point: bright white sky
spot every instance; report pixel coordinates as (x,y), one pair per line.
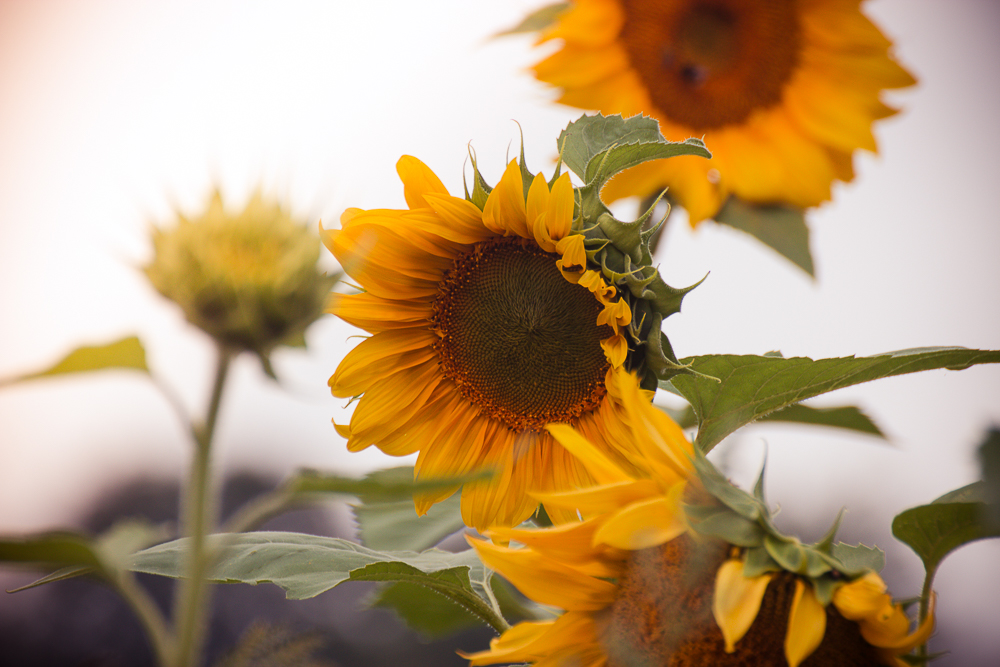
(114,112)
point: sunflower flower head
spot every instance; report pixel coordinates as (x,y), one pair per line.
(676,566)
(496,314)
(783,92)
(249,280)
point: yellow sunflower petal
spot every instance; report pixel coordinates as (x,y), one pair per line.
(531,641)
(736,601)
(602,499)
(418,180)
(559,218)
(378,356)
(861,598)
(890,629)
(644,524)
(568,543)
(806,624)
(504,210)
(546,580)
(372,313)
(603,469)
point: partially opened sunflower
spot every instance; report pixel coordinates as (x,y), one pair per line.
(677,568)
(489,322)
(781,91)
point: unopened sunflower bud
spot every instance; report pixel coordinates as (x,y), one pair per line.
(248,279)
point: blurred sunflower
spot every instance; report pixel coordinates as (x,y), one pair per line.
(781,91)
(486,326)
(670,570)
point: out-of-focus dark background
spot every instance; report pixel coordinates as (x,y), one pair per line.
(113,114)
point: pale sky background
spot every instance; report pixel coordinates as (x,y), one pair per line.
(113,113)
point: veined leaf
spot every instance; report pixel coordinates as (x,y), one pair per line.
(597,147)
(749,387)
(782,228)
(127,353)
(380,485)
(396,526)
(307,565)
(933,531)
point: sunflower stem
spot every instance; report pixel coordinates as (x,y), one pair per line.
(198,512)
(925,597)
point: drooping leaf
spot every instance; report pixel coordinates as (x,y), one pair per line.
(395,526)
(391,489)
(953,520)
(782,228)
(127,353)
(846,417)
(537,20)
(597,147)
(380,485)
(307,565)
(749,387)
(76,554)
(424,610)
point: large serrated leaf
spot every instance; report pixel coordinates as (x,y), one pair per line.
(749,387)
(597,147)
(782,228)
(307,565)
(395,526)
(127,353)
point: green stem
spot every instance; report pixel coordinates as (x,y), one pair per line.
(149,615)
(925,600)
(198,513)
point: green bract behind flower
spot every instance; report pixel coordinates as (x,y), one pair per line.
(249,280)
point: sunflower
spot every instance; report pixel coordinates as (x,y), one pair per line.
(647,580)
(488,322)
(781,91)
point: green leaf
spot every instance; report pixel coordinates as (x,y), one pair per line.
(846,417)
(538,19)
(126,353)
(307,565)
(782,228)
(79,554)
(933,531)
(395,525)
(749,387)
(597,147)
(427,612)
(381,485)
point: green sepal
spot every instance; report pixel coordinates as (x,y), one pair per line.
(480,190)
(731,496)
(824,587)
(758,562)
(540,19)
(723,523)
(857,559)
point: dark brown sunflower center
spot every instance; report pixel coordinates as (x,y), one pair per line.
(711,63)
(663,617)
(518,339)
